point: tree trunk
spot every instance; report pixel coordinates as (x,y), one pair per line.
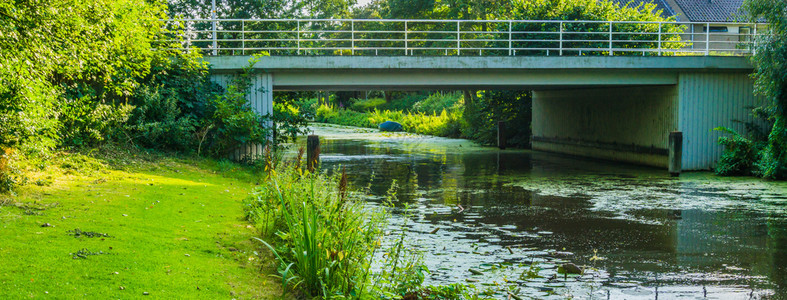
(469,97)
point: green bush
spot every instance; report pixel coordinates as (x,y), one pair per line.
(513,107)
(330,114)
(773,159)
(74,59)
(740,154)
(367,105)
(307,106)
(158,123)
(437,102)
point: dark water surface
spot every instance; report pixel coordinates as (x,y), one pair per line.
(639,233)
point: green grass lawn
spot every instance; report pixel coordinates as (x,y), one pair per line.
(175,226)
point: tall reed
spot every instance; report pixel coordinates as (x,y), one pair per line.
(322,235)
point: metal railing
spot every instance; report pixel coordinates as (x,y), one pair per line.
(461,37)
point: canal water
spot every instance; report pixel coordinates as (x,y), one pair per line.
(515,216)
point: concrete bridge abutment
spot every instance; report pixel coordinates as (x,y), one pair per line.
(632,123)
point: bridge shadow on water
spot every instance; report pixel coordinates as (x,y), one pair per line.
(638,232)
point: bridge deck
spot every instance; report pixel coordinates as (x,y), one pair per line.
(414,72)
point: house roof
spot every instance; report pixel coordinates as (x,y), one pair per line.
(666,10)
(711,10)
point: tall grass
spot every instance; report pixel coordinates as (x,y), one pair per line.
(324,238)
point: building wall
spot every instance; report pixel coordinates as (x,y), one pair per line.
(260,99)
(707,101)
(628,124)
(737,39)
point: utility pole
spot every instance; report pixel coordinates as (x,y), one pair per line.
(213,20)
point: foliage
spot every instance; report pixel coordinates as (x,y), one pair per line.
(97,48)
(740,154)
(367,105)
(233,122)
(773,160)
(771,81)
(10,176)
(529,35)
(333,115)
(288,119)
(438,102)
(325,237)
(173,104)
(513,107)
(445,123)
(307,106)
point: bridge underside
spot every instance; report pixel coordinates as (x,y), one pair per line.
(614,108)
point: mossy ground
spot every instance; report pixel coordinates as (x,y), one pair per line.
(176,230)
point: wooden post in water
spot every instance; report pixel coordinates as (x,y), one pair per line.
(675,152)
(501,134)
(312,152)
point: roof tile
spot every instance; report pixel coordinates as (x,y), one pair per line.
(711,10)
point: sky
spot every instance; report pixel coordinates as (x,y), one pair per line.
(362,2)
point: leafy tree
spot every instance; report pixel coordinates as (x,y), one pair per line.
(87,51)
(771,81)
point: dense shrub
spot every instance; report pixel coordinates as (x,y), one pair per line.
(333,115)
(740,154)
(76,59)
(773,159)
(367,105)
(437,102)
(513,107)
(771,81)
(442,124)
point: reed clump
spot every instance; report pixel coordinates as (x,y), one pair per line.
(323,237)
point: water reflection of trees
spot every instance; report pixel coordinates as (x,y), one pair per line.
(647,240)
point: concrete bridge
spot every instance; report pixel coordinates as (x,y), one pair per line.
(602,89)
(619,108)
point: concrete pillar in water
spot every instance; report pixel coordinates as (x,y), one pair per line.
(312,152)
(501,134)
(675,152)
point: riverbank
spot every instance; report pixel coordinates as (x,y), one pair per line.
(130,225)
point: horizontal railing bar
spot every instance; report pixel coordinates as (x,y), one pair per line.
(460,21)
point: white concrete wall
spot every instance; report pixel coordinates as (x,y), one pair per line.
(628,124)
(260,99)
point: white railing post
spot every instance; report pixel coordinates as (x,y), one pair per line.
(754,41)
(510,23)
(405,38)
(659,49)
(299,36)
(352,30)
(188,37)
(611,52)
(707,39)
(561,39)
(213,16)
(458,38)
(243,37)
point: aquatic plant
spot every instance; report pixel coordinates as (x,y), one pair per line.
(324,241)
